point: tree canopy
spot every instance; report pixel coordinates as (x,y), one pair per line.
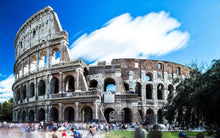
(197,100)
(6,110)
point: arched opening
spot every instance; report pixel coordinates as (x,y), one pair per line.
(149,91)
(138,89)
(149,76)
(93,85)
(170,89)
(41,114)
(109,85)
(18,94)
(43,59)
(160,116)
(25,67)
(41,87)
(69,115)
(54,114)
(86,114)
(55,56)
(19,116)
(32,89)
(33,63)
(126,86)
(160,89)
(150,116)
(24,92)
(54,85)
(23,116)
(86,72)
(20,71)
(70,83)
(31,116)
(110,115)
(126,115)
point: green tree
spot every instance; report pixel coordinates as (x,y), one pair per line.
(6,110)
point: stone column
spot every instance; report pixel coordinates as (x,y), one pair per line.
(61,84)
(37,61)
(46,111)
(155,117)
(26,117)
(47,87)
(35,88)
(77,89)
(48,57)
(61,118)
(97,104)
(77,112)
(22,74)
(27,91)
(131,85)
(35,114)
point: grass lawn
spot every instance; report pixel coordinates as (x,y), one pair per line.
(130,134)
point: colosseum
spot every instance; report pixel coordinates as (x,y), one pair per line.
(50,86)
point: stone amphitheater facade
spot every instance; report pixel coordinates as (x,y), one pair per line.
(50,86)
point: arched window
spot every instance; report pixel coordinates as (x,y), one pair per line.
(127,115)
(138,89)
(31,116)
(26,67)
(149,76)
(110,115)
(109,85)
(86,114)
(160,116)
(54,85)
(55,56)
(149,91)
(32,89)
(150,116)
(54,114)
(43,59)
(70,83)
(41,114)
(160,89)
(33,63)
(41,88)
(24,92)
(170,89)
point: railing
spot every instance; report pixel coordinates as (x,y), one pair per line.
(75,94)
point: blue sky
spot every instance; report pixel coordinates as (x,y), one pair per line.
(197,24)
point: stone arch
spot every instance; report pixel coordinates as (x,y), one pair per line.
(150,116)
(41,87)
(41,114)
(54,85)
(69,114)
(160,90)
(24,91)
(70,83)
(18,94)
(160,116)
(23,116)
(31,116)
(138,88)
(33,63)
(126,86)
(109,85)
(126,115)
(109,115)
(54,114)
(43,59)
(149,76)
(25,69)
(149,91)
(55,56)
(170,89)
(32,89)
(93,85)
(87,114)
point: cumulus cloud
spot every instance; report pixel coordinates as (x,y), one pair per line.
(127,37)
(5,88)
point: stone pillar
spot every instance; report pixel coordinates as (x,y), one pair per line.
(155,117)
(61,118)
(27,91)
(29,65)
(47,87)
(118,83)
(154,92)
(22,74)
(97,104)
(46,112)
(35,88)
(48,57)
(131,76)
(78,87)
(26,116)
(77,112)
(61,84)
(37,61)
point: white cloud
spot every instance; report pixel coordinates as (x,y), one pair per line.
(5,88)
(127,37)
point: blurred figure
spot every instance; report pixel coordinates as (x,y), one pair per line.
(182,135)
(155,133)
(140,133)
